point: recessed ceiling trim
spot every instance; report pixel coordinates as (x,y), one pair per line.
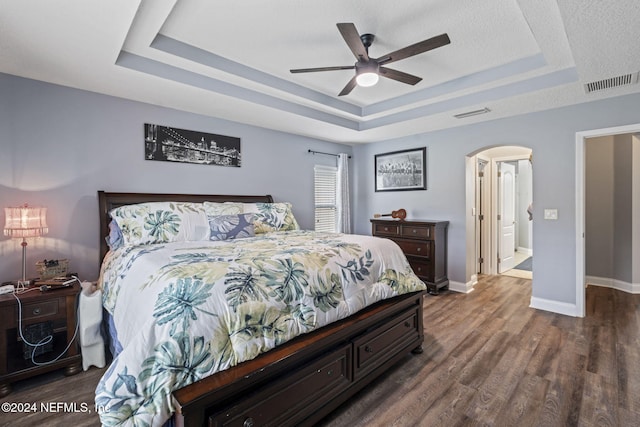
(169,72)
(186,51)
(208,59)
(556,78)
(159,69)
(519,66)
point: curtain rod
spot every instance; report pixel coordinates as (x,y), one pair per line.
(327,154)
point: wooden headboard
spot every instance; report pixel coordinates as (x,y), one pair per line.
(108,201)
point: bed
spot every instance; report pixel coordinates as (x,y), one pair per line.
(250,322)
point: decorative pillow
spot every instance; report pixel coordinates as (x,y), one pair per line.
(272,217)
(227,208)
(161,222)
(114,239)
(225,227)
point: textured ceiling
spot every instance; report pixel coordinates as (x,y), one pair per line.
(232,59)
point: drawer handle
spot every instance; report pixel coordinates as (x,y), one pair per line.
(330,372)
(407,324)
(415,231)
(419,268)
(386,229)
(368,349)
(248,422)
(418,249)
(36,311)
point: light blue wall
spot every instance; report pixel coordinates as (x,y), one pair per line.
(551,135)
(59,146)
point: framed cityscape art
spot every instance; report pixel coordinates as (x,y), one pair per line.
(187,146)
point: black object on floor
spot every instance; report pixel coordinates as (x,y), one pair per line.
(524,265)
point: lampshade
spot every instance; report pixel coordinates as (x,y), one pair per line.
(25,221)
(367,73)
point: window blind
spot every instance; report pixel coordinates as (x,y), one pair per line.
(325,178)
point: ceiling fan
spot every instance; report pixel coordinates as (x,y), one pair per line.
(369,69)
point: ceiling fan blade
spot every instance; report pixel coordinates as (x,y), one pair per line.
(351,36)
(400,76)
(415,49)
(349,87)
(312,70)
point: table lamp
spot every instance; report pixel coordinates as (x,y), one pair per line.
(23,222)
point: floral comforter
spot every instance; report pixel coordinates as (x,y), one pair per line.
(185,310)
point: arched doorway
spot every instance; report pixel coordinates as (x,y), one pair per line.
(500,197)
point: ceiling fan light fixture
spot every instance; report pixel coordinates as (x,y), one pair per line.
(367,79)
(368,69)
(367,73)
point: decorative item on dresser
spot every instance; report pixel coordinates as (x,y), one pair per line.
(399,214)
(424,243)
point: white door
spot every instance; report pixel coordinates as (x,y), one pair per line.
(507,222)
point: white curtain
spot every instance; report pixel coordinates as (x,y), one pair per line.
(344,207)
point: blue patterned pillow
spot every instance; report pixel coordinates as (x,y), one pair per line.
(225,227)
(114,239)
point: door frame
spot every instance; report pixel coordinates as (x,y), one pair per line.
(494,206)
(581,136)
(482,207)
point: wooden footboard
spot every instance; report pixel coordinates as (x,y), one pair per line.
(305,379)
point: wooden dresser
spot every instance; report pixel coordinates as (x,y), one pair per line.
(425,245)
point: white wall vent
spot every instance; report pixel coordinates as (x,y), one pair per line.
(472,113)
(624,80)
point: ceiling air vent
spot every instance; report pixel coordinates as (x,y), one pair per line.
(624,80)
(472,113)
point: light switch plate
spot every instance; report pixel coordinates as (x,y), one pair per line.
(551,214)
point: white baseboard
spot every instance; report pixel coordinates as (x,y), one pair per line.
(464,288)
(526,251)
(554,306)
(607,282)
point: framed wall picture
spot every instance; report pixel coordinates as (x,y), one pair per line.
(401,170)
(170,144)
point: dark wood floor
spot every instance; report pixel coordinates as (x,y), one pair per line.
(489,360)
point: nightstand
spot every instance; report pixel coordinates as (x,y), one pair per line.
(52,311)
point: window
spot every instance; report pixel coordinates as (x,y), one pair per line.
(325,178)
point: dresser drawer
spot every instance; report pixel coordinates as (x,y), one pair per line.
(422,268)
(415,247)
(374,348)
(36,311)
(419,232)
(386,229)
(302,391)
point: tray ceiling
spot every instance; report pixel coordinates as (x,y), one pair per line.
(231,59)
